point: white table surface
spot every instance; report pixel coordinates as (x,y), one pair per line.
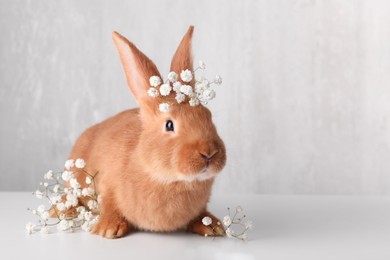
(285,227)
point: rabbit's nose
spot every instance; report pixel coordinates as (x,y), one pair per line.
(208,156)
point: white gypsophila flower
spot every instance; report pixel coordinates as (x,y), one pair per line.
(88,215)
(207,221)
(87,192)
(45,184)
(193,102)
(44,230)
(80,216)
(200,87)
(80,209)
(154,81)
(176,86)
(38,194)
(86,226)
(165,89)
(66,190)
(55,199)
(208,94)
(239,209)
(227,221)
(202,65)
(172,76)
(67,175)
(92,204)
(62,216)
(80,163)
(164,107)
(186,89)
(48,175)
(71,200)
(30,228)
(248,224)
(229,232)
(153,92)
(88,180)
(56,188)
(34,212)
(186,75)
(69,164)
(45,215)
(180,97)
(243,236)
(63,225)
(74,183)
(218,80)
(77,192)
(41,208)
(61,206)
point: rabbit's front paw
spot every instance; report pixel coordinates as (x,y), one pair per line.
(111,227)
(215,229)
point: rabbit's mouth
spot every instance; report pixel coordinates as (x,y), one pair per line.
(203,175)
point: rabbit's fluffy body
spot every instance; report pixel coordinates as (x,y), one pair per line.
(150,178)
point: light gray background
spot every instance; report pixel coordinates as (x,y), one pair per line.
(304,108)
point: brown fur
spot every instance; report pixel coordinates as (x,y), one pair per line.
(149,178)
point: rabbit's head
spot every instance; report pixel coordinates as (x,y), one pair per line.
(182,144)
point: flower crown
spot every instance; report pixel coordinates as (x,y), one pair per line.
(202,94)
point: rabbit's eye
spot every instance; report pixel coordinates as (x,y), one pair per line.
(169,126)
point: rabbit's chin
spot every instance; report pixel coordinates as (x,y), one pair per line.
(204,175)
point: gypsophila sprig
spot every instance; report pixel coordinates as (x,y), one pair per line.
(200,93)
(62,192)
(236,226)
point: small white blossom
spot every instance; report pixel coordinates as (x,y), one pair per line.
(56,188)
(186,89)
(249,224)
(92,204)
(69,164)
(200,87)
(227,221)
(165,89)
(243,236)
(186,75)
(30,228)
(218,80)
(239,209)
(45,215)
(61,206)
(38,194)
(55,199)
(207,221)
(34,212)
(180,97)
(45,184)
(71,200)
(44,230)
(41,208)
(88,180)
(172,76)
(164,107)
(80,209)
(208,94)
(80,163)
(87,192)
(176,87)
(74,183)
(194,102)
(155,81)
(49,175)
(63,225)
(229,232)
(88,215)
(67,175)
(153,92)
(202,65)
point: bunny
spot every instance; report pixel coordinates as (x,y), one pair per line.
(156,169)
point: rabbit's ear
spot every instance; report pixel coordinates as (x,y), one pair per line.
(138,69)
(182,59)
